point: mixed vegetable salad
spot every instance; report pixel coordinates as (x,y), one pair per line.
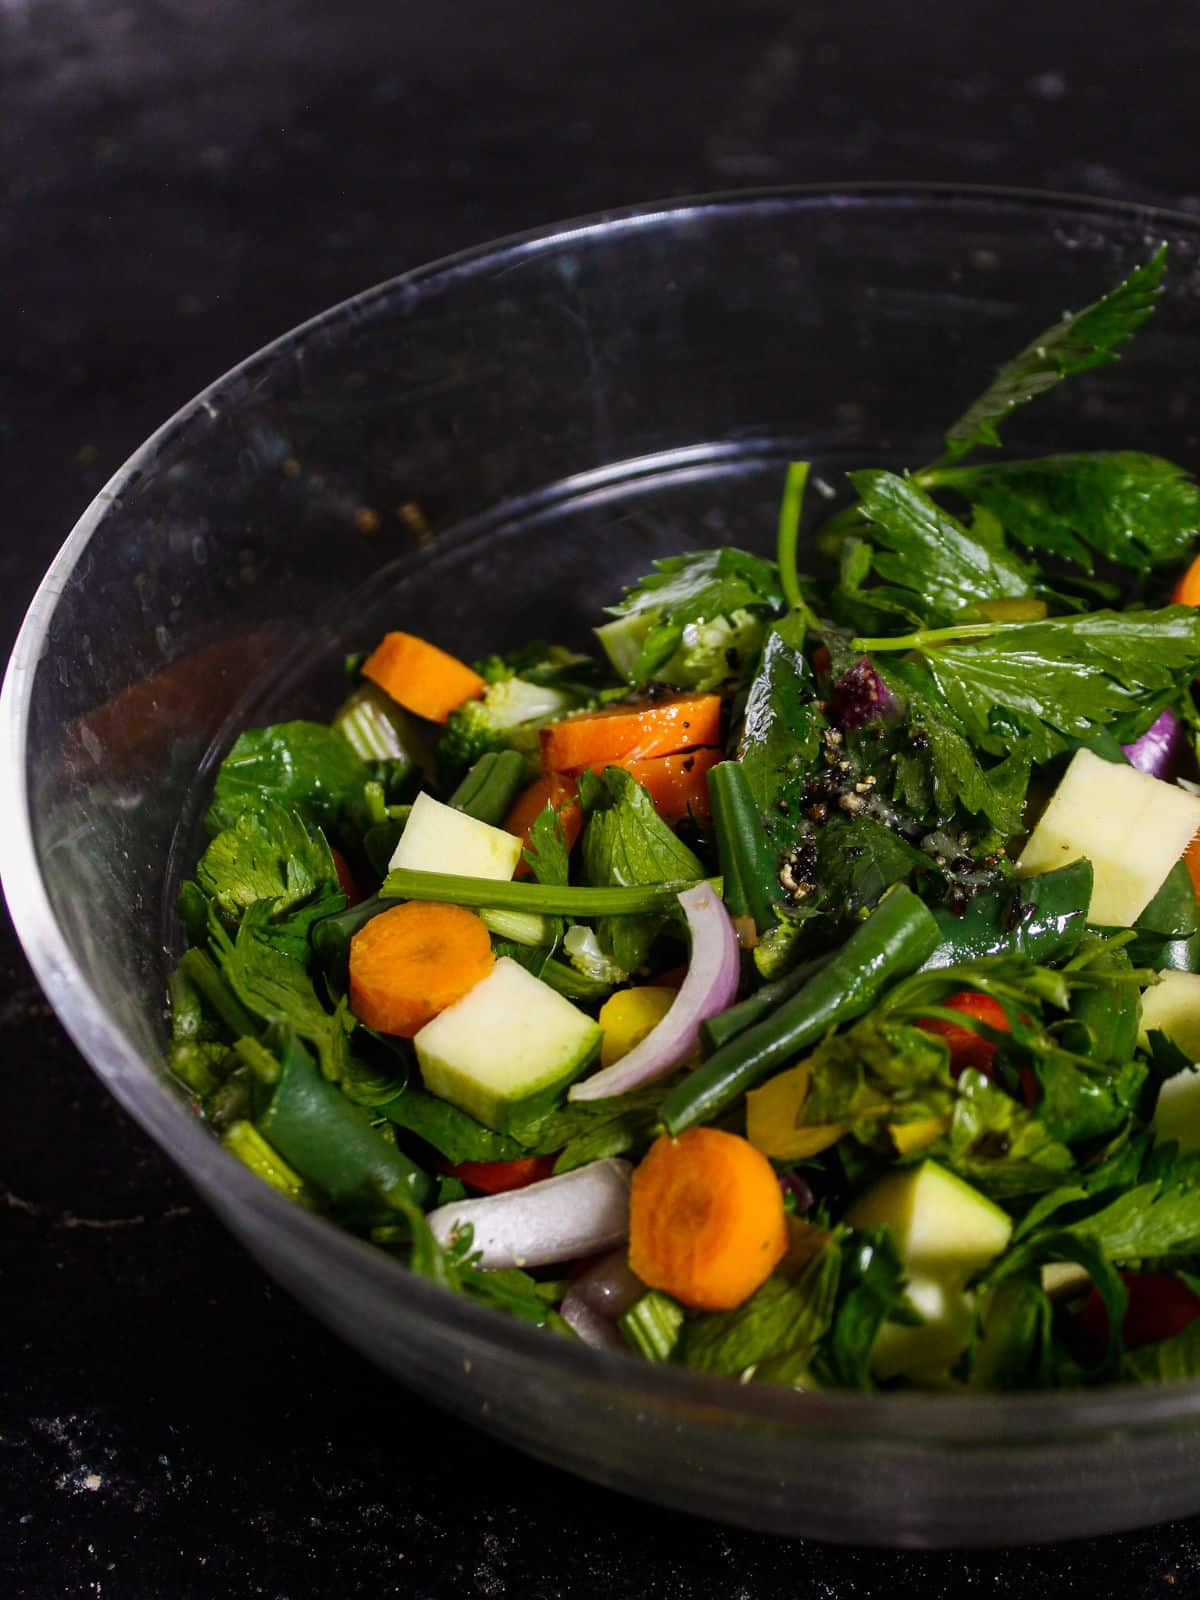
(805,985)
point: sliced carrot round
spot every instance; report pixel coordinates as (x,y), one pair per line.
(420,677)
(412,961)
(706,1219)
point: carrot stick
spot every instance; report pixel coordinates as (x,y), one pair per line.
(551,789)
(631,733)
(706,1219)
(420,677)
(676,784)
(1187,590)
(411,962)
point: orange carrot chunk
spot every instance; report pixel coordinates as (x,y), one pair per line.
(414,960)
(619,734)
(706,1219)
(676,784)
(1187,590)
(1191,857)
(551,789)
(420,677)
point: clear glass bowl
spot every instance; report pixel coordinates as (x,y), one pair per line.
(484,450)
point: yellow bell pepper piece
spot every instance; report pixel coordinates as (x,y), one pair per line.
(771,1114)
(908,1137)
(628,1016)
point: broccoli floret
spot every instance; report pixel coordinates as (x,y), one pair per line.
(711,652)
(506,718)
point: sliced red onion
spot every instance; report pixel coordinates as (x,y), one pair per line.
(577,1214)
(710,986)
(1155,751)
(609,1286)
(860,696)
(590,1326)
(598,1297)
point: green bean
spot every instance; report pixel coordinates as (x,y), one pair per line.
(748,863)
(489,789)
(331,1142)
(720,1029)
(894,940)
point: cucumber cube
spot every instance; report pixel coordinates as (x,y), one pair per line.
(438,838)
(507,1049)
(926,1352)
(1172,1007)
(1131,827)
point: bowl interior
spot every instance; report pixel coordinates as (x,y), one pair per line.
(483,452)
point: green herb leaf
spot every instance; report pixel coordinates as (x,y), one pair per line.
(780,1319)
(870,1291)
(302,766)
(452,1133)
(275,987)
(580,1131)
(268,854)
(876,1073)
(1137,510)
(998,1146)
(625,844)
(1087,339)
(780,742)
(858,858)
(1070,680)
(934,564)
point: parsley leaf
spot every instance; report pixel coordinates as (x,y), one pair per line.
(626,843)
(451,1132)
(275,987)
(268,854)
(780,1319)
(780,741)
(876,1073)
(1053,684)
(1086,339)
(871,1290)
(305,766)
(1137,510)
(933,564)
(998,1146)
(700,586)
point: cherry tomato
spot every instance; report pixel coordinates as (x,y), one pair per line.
(968,1049)
(497,1177)
(1160,1306)
(345,877)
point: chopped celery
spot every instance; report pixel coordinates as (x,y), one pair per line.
(652,1325)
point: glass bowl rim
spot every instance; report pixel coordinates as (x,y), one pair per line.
(963,1421)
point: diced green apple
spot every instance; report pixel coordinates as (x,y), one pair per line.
(944,1231)
(1133,829)
(1172,1007)
(1177,1114)
(437,838)
(507,1049)
(940,1224)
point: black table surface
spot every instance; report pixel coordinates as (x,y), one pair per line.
(179,182)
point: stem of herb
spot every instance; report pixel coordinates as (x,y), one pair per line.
(548,899)
(790,508)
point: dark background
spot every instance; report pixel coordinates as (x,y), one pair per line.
(179,182)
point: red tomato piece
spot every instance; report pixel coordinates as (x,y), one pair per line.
(968,1049)
(1160,1306)
(497,1177)
(345,877)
